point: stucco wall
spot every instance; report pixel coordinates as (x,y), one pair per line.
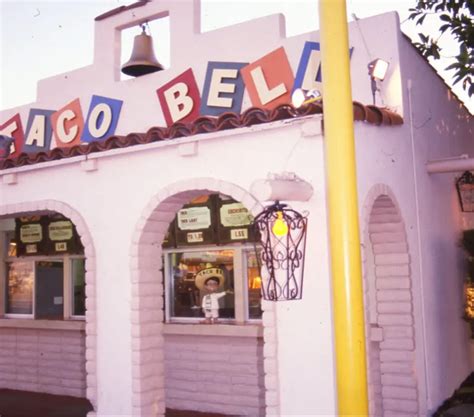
(111,198)
(439,127)
(43,360)
(215,374)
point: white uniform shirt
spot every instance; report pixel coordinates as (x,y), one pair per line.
(211,301)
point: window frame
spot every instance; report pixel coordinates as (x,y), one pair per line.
(241,282)
(68,287)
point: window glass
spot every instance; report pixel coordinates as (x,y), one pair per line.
(254,286)
(78,287)
(11,243)
(49,290)
(189,273)
(36,286)
(20,287)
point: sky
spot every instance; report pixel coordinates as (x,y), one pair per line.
(39,39)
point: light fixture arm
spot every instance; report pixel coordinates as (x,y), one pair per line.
(373,87)
(377,71)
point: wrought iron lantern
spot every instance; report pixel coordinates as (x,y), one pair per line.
(377,70)
(283,239)
(465,187)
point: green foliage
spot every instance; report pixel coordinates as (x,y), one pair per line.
(455,18)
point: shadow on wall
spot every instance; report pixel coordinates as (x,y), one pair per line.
(461,403)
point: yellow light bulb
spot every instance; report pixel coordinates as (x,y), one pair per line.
(280,228)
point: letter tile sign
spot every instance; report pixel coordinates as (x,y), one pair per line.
(269,80)
(308,75)
(180,98)
(68,124)
(223,88)
(102,119)
(38,131)
(14,129)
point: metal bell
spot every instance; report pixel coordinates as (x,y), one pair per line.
(142,60)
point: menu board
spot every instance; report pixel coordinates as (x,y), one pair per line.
(46,235)
(195,222)
(62,236)
(194,218)
(30,236)
(235,222)
(210,220)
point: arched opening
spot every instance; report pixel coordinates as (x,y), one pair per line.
(202,350)
(48,260)
(390,336)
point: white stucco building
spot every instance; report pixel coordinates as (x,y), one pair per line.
(130,351)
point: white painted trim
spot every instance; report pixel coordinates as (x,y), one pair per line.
(30,323)
(240,279)
(228,330)
(456,164)
(147,147)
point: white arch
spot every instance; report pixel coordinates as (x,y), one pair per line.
(147,313)
(390,331)
(66,210)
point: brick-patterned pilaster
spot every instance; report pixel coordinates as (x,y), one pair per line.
(147,288)
(89,386)
(270,358)
(391,354)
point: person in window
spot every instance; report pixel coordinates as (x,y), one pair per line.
(210,302)
(210,280)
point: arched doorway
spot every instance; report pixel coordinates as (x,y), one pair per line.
(390,331)
(148,329)
(79,377)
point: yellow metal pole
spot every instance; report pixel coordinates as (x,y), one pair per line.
(341,189)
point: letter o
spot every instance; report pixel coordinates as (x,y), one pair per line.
(99,131)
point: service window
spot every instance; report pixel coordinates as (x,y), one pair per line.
(44,268)
(37,288)
(254,283)
(236,270)
(20,279)
(49,290)
(78,276)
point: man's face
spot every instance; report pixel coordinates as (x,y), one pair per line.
(211,286)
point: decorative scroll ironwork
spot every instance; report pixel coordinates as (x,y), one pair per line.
(283,239)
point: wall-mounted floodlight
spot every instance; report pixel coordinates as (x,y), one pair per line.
(377,70)
(302,97)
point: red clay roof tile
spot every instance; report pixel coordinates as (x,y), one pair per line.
(253,116)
